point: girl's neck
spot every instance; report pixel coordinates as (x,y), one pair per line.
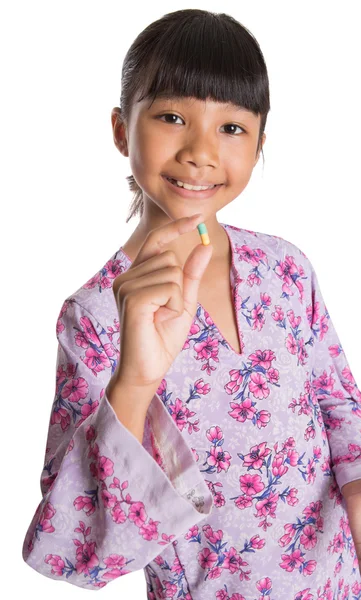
(184,244)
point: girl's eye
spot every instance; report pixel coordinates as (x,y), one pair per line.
(234,125)
(169,115)
(176,116)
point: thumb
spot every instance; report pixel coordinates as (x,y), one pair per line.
(193,271)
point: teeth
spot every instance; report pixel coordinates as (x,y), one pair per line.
(196,188)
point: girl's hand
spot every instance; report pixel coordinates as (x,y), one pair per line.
(157,301)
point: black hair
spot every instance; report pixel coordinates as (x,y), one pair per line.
(199,54)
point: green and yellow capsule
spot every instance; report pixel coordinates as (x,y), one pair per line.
(202,230)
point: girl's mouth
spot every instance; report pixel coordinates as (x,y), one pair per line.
(181,191)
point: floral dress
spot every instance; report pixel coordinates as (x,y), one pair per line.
(235,492)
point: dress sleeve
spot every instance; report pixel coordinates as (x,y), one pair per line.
(336,390)
(109,506)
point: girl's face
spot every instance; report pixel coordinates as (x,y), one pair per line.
(190,140)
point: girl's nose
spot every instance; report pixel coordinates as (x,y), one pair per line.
(200,149)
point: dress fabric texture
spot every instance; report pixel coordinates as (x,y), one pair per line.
(235,493)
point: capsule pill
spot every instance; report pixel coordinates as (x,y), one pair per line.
(202,230)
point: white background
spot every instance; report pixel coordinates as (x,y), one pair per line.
(65,197)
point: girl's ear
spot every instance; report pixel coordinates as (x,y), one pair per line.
(119,131)
(259,151)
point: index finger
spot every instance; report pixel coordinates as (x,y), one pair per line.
(161,236)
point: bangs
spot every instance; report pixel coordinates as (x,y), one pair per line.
(206,58)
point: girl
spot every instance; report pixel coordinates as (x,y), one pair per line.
(205,425)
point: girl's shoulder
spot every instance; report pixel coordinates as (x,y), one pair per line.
(96,296)
(274,246)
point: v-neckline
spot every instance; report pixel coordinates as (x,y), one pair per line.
(201,310)
(234,280)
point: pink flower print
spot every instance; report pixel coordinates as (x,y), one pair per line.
(170,589)
(339,543)
(313,510)
(85,557)
(192,532)
(291,344)
(250,256)
(243,502)
(311,471)
(251,484)
(278,466)
(286,269)
(179,413)
(96,361)
(346,373)
(207,559)
(308,537)
(242,411)
(278,313)
(214,434)
(273,375)
(267,506)
(75,389)
(292,561)
(84,503)
(294,321)
(212,536)
(195,454)
(314,313)
(288,536)
(92,282)
(264,585)
(201,387)
(257,314)
(291,497)
(109,500)
(262,358)
(45,520)
(162,387)
(150,532)
(236,381)
(266,299)
(334,350)
(253,279)
(323,327)
(105,467)
(257,543)
(60,417)
(137,513)
(292,457)
(118,515)
(256,457)
(56,562)
(219,500)
(219,457)
(323,385)
(83,338)
(215,573)
(231,560)
(263,418)
(207,349)
(258,385)
(309,567)
(61,374)
(116,564)
(176,567)
(195,328)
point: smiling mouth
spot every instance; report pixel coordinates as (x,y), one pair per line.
(195,188)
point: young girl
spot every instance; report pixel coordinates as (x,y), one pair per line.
(206,424)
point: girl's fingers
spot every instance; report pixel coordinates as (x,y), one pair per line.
(161,236)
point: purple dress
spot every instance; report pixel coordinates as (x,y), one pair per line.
(235,493)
